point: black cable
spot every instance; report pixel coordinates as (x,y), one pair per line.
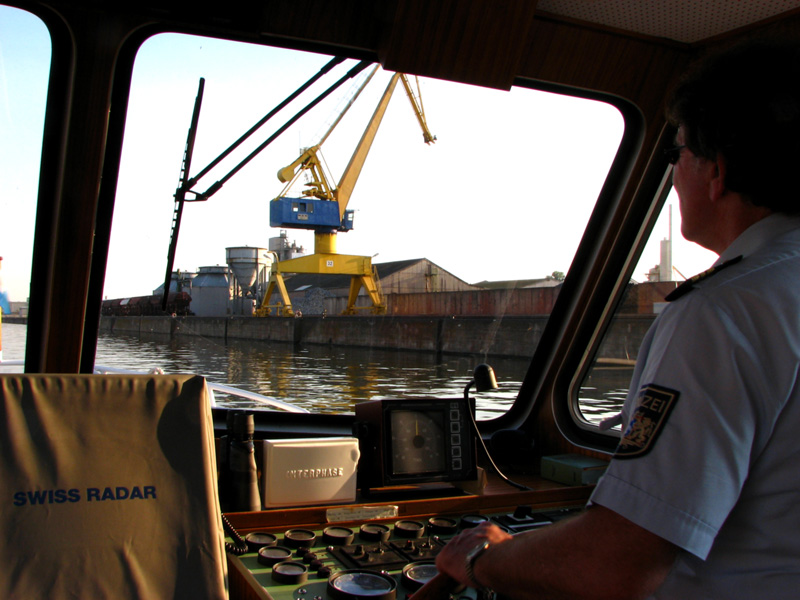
(497,470)
(239,545)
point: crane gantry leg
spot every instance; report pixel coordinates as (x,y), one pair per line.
(370,284)
(360,269)
(284,306)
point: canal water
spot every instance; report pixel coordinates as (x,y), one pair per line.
(328,379)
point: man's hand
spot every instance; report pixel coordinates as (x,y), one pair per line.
(595,555)
(452,558)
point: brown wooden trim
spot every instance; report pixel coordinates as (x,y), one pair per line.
(241,583)
(462,40)
(498,497)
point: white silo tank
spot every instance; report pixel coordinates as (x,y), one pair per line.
(246,263)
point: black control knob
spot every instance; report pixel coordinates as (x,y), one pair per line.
(522,512)
(427,544)
(316,565)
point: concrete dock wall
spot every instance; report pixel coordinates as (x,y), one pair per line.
(509,336)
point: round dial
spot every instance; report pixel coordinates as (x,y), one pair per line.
(297,538)
(270,555)
(417,574)
(418,442)
(374,532)
(442,526)
(409,529)
(362,585)
(468,521)
(338,536)
(290,572)
(259,539)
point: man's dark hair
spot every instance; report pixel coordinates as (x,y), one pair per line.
(744,104)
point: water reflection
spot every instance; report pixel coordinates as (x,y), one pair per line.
(333,379)
(604,391)
(326,379)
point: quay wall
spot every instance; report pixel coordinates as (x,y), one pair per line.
(15,319)
(508,336)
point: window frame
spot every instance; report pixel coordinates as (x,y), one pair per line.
(560,322)
(632,238)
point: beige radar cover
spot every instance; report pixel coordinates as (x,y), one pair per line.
(109,486)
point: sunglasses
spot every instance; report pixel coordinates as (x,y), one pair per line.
(674,154)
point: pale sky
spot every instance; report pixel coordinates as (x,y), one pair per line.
(505,192)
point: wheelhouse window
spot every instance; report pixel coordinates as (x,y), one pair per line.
(666,261)
(25,50)
(467,228)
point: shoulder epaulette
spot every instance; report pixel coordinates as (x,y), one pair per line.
(688,285)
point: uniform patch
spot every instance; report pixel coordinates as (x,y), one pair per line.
(649,418)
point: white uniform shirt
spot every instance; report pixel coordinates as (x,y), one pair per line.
(711,458)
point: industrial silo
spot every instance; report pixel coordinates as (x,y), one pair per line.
(180,281)
(211,292)
(250,267)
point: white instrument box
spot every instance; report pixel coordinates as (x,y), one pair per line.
(301,472)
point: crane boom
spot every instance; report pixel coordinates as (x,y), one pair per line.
(313,211)
(323,209)
(419,111)
(318,185)
(348,180)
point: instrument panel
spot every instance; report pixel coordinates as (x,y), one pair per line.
(415,440)
(376,560)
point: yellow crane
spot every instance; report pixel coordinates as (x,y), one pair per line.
(322,207)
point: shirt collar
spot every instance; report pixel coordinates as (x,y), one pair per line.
(759,234)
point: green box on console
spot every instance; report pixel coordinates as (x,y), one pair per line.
(573,469)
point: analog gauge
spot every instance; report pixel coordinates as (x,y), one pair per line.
(418,442)
(270,555)
(374,532)
(290,572)
(409,529)
(442,526)
(259,539)
(337,536)
(298,538)
(417,574)
(468,521)
(362,585)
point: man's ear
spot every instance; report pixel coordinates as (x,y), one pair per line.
(717,185)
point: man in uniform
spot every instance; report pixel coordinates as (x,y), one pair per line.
(701,497)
